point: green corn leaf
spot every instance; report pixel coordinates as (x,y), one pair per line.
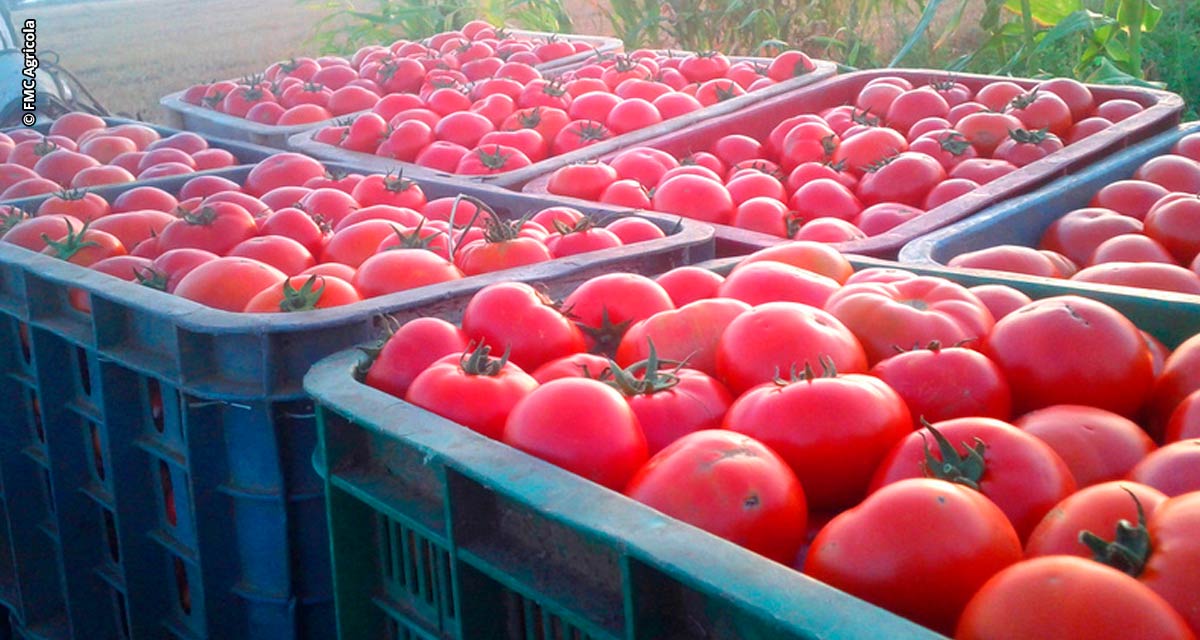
(1046,12)
(1128,13)
(1076,23)
(919,32)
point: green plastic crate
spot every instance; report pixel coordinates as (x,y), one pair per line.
(440,533)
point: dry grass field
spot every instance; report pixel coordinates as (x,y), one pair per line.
(129,53)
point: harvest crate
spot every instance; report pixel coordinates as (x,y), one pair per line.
(245,152)
(155,462)
(1161,113)
(439,532)
(304,142)
(195,118)
(1023,220)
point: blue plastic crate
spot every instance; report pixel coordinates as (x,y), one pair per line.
(245,152)
(153,401)
(439,532)
(1024,220)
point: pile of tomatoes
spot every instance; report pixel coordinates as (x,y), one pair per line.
(510,121)
(80,151)
(933,449)
(293,238)
(857,170)
(1141,232)
(305,90)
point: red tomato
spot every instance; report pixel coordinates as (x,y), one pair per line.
(943,383)
(576,365)
(1176,225)
(761,282)
(1179,378)
(228,283)
(906,179)
(402,269)
(1017,471)
(1173,469)
(633,229)
(1097,445)
(282,169)
(823,198)
(217,227)
(777,337)
(911,106)
(1185,420)
(1147,275)
(1078,233)
(669,404)
(303,293)
(1047,351)
(689,284)
(1014,259)
(1066,597)
(869,148)
(517,317)
(985,130)
(581,425)
(605,306)
(411,350)
(811,256)
(832,430)
(1097,508)
(694,197)
(689,334)
(909,313)
(586,181)
(731,486)
(1042,110)
(493,386)
(919,548)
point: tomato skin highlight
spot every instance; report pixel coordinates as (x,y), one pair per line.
(729,485)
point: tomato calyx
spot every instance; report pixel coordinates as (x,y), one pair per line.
(493,160)
(1129,549)
(555,88)
(370,352)
(644,377)
(413,239)
(70,245)
(607,336)
(477,361)
(1023,100)
(954,467)
(305,298)
(624,63)
(863,117)
(828,370)
(251,94)
(1025,136)
(728,92)
(583,224)
(954,143)
(45,147)
(943,85)
(289,66)
(591,131)
(11,217)
(312,87)
(204,216)
(397,184)
(70,194)
(216,98)
(880,163)
(532,119)
(151,277)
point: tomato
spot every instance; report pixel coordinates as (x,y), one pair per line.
(1185,420)
(517,317)
(1026,147)
(1130,248)
(605,306)
(906,179)
(493,386)
(1042,110)
(1161,551)
(303,293)
(688,284)
(1180,377)
(939,383)
(869,148)
(75,124)
(1146,275)
(985,130)
(228,283)
(831,429)
(812,256)
(773,338)
(217,227)
(576,365)
(1067,597)
(644,164)
(909,313)
(1118,109)
(1011,258)
(83,245)
(1016,470)
(695,197)
(789,64)
(1176,225)
(1094,508)
(1078,233)
(877,98)
(281,169)
(586,181)
(761,282)
(400,270)
(133,227)
(1097,445)
(1129,197)
(913,105)
(411,350)
(807,142)
(689,333)
(106,148)
(822,198)
(633,229)
(28,233)
(582,425)
(919,548)
(62,165)
(1173,469)
(731,486)
(501,250)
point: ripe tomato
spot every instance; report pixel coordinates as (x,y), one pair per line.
(493,386)
(281,169)
(919,548)
(1067,597)
(1097,445)
(1047,349)
(695,197)
(869,148)
(906,178)
(581,425)
(942,383)
(985,130)
(303,293)
(688,334)
(228,283)
(689,284)
(605,306)
(517,317)
(1179,378)
(811,256)
(1176,225)
(775,338)
(411,350)
(586,181)
(1185,420)
(400,270)
(910,312)
(1097,508)
(1173,469)
(1024,147)
(1078,233)
(767,281)
(731,486)
(669,404)
(831,429)
(1042,110)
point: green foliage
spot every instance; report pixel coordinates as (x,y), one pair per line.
(348,25)
(1170,51)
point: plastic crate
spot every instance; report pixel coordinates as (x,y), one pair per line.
(1023,220)
(304,142)
(439,532)
(195,118)
(245,152)
(154,399)
(1162,113)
